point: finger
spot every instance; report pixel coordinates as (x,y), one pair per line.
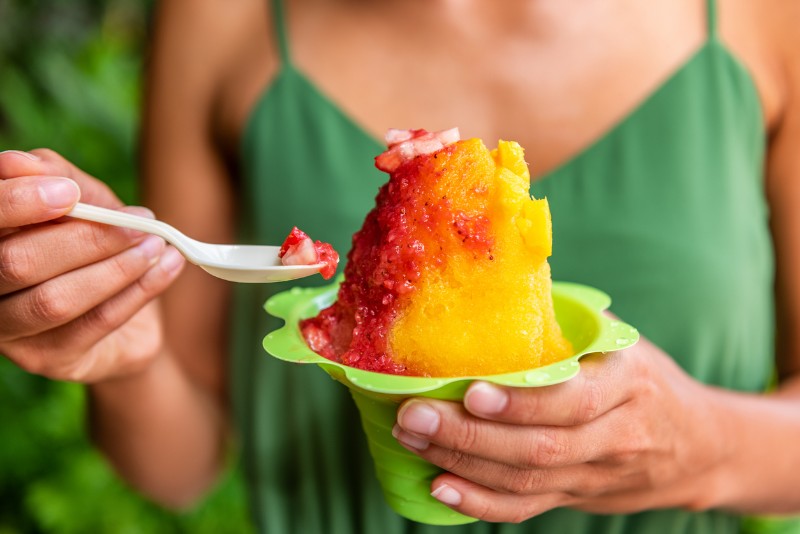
(582,479)
(462,439)
(42,161)
(83,350)
(88,339)
(598,388)
(94,191)
(16,163)
(60,300)
(482,503)
(38,254)
(35,199)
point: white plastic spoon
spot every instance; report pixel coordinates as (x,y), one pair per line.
(236,263)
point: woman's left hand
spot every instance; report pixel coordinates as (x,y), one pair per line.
(631,432)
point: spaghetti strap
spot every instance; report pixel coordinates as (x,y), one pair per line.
(711,18)
(279,25)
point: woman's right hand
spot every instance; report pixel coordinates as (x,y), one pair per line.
(76,298)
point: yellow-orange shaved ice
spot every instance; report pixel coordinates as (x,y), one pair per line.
(449,274)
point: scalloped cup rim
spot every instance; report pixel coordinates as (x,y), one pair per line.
(286,343)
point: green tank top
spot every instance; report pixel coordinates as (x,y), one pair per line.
(666,213)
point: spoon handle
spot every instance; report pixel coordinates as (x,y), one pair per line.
(134,222)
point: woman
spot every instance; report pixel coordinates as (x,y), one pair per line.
(660,133)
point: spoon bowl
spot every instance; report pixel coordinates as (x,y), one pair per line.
(235,263)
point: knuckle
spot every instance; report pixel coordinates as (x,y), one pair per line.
(642,441)
(93,237)
(456,461)
(16,267)
(529,458)
(148,287)
(101,318)
(522,481)
(588,487)
(467,436)
(54,162)
(123,267)
(484,511)
(636,442)
(533,406)
(49,304)
(648,387)
(14,197)
(591,402)
(647,378)
(624,456)
(549,448)
(46,154)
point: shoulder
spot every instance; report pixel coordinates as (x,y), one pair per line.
(213,30)
(781,23)
(749,29)
(780,20)
(201,48)
(764,36)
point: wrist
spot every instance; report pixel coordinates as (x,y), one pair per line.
(716,450)
(162,432)
(754,469)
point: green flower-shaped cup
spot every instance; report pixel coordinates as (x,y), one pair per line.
(405,478)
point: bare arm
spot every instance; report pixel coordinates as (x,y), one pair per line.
(765,431)
(165,429)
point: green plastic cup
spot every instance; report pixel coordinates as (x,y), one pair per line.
(405,477)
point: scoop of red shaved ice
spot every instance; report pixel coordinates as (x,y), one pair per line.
(299,249)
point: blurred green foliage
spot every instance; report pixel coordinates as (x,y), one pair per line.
(69,80)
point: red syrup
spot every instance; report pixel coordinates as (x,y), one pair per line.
(402,235)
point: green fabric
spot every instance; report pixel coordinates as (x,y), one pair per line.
(666,213)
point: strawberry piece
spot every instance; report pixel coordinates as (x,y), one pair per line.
(299,249)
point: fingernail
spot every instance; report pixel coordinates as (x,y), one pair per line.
(485,398)
(151,247)
(447,495)
(418,417)
(171,260)
(32,157)
(59,192)
(412,441)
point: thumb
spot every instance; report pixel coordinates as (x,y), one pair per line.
(35,199)
(45,162)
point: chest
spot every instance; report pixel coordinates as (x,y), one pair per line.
(553,75)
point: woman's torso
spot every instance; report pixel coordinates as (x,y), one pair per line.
(566,73)
(627,208)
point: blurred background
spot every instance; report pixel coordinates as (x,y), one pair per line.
(69,80)
(70,74)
